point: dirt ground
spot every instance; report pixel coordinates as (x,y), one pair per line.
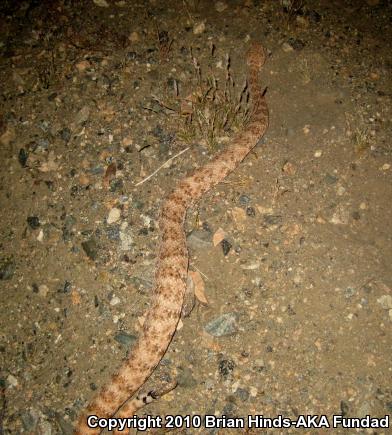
(298,311)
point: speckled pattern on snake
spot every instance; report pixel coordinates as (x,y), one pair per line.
(115,398)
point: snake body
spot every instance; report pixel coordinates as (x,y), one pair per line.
(172,263)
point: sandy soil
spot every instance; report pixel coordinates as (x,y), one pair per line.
(299,291)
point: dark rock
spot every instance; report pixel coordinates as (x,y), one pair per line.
(113,232)
(226,246)
(314,16)
(242,394)
(330,179)
(226,367)
(7,268)
(33,222)
(344,408)
(124,338)
(65,134)
(250,211)
(22,157)
(272,219)
(244,200)
(90,247)
(297,44)
(131,55)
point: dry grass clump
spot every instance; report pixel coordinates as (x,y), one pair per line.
(215,109)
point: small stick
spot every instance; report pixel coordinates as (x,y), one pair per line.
(201,273)
(160,167)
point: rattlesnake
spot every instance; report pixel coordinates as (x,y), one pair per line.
(172,263)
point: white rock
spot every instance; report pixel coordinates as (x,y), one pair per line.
(385,301)
(287,48)
(43,290)
(115,301)
(199,28)
(101,3)
(12,381)
(114,215)
(126,240)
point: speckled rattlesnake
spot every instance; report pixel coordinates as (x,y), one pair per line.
(172,265)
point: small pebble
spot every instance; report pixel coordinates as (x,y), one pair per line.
(22,157)
(12,381)
(226,324)
(226,246)
(244,200)
(124,338)
(385,301)
(33,222)
(90,247)
(199,28)
(286,47)
(220,6)
(114,215)
(43,290)
(115,300)
(226,367)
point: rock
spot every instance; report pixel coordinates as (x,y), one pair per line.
(349,292)
(12,381)
(126,239)
(23,157)
(287,48)
(302,21)
(250,211)
(134,37)
(226,324)
(344,408)
(125,338)
(90,247)
(385,301)
(242,394)
(244,200)
(220,6)
(29,421)
(341,216)
(199,28)
(330,179)
(33,222)
(65,134)
(43,290)
(114,300)
(82,116)
(114,215)
(226,367)
(101,3)
(199,239)
(296,44)
(7,268)
(226,246)
(272,219)
(83,65)
(113,232)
